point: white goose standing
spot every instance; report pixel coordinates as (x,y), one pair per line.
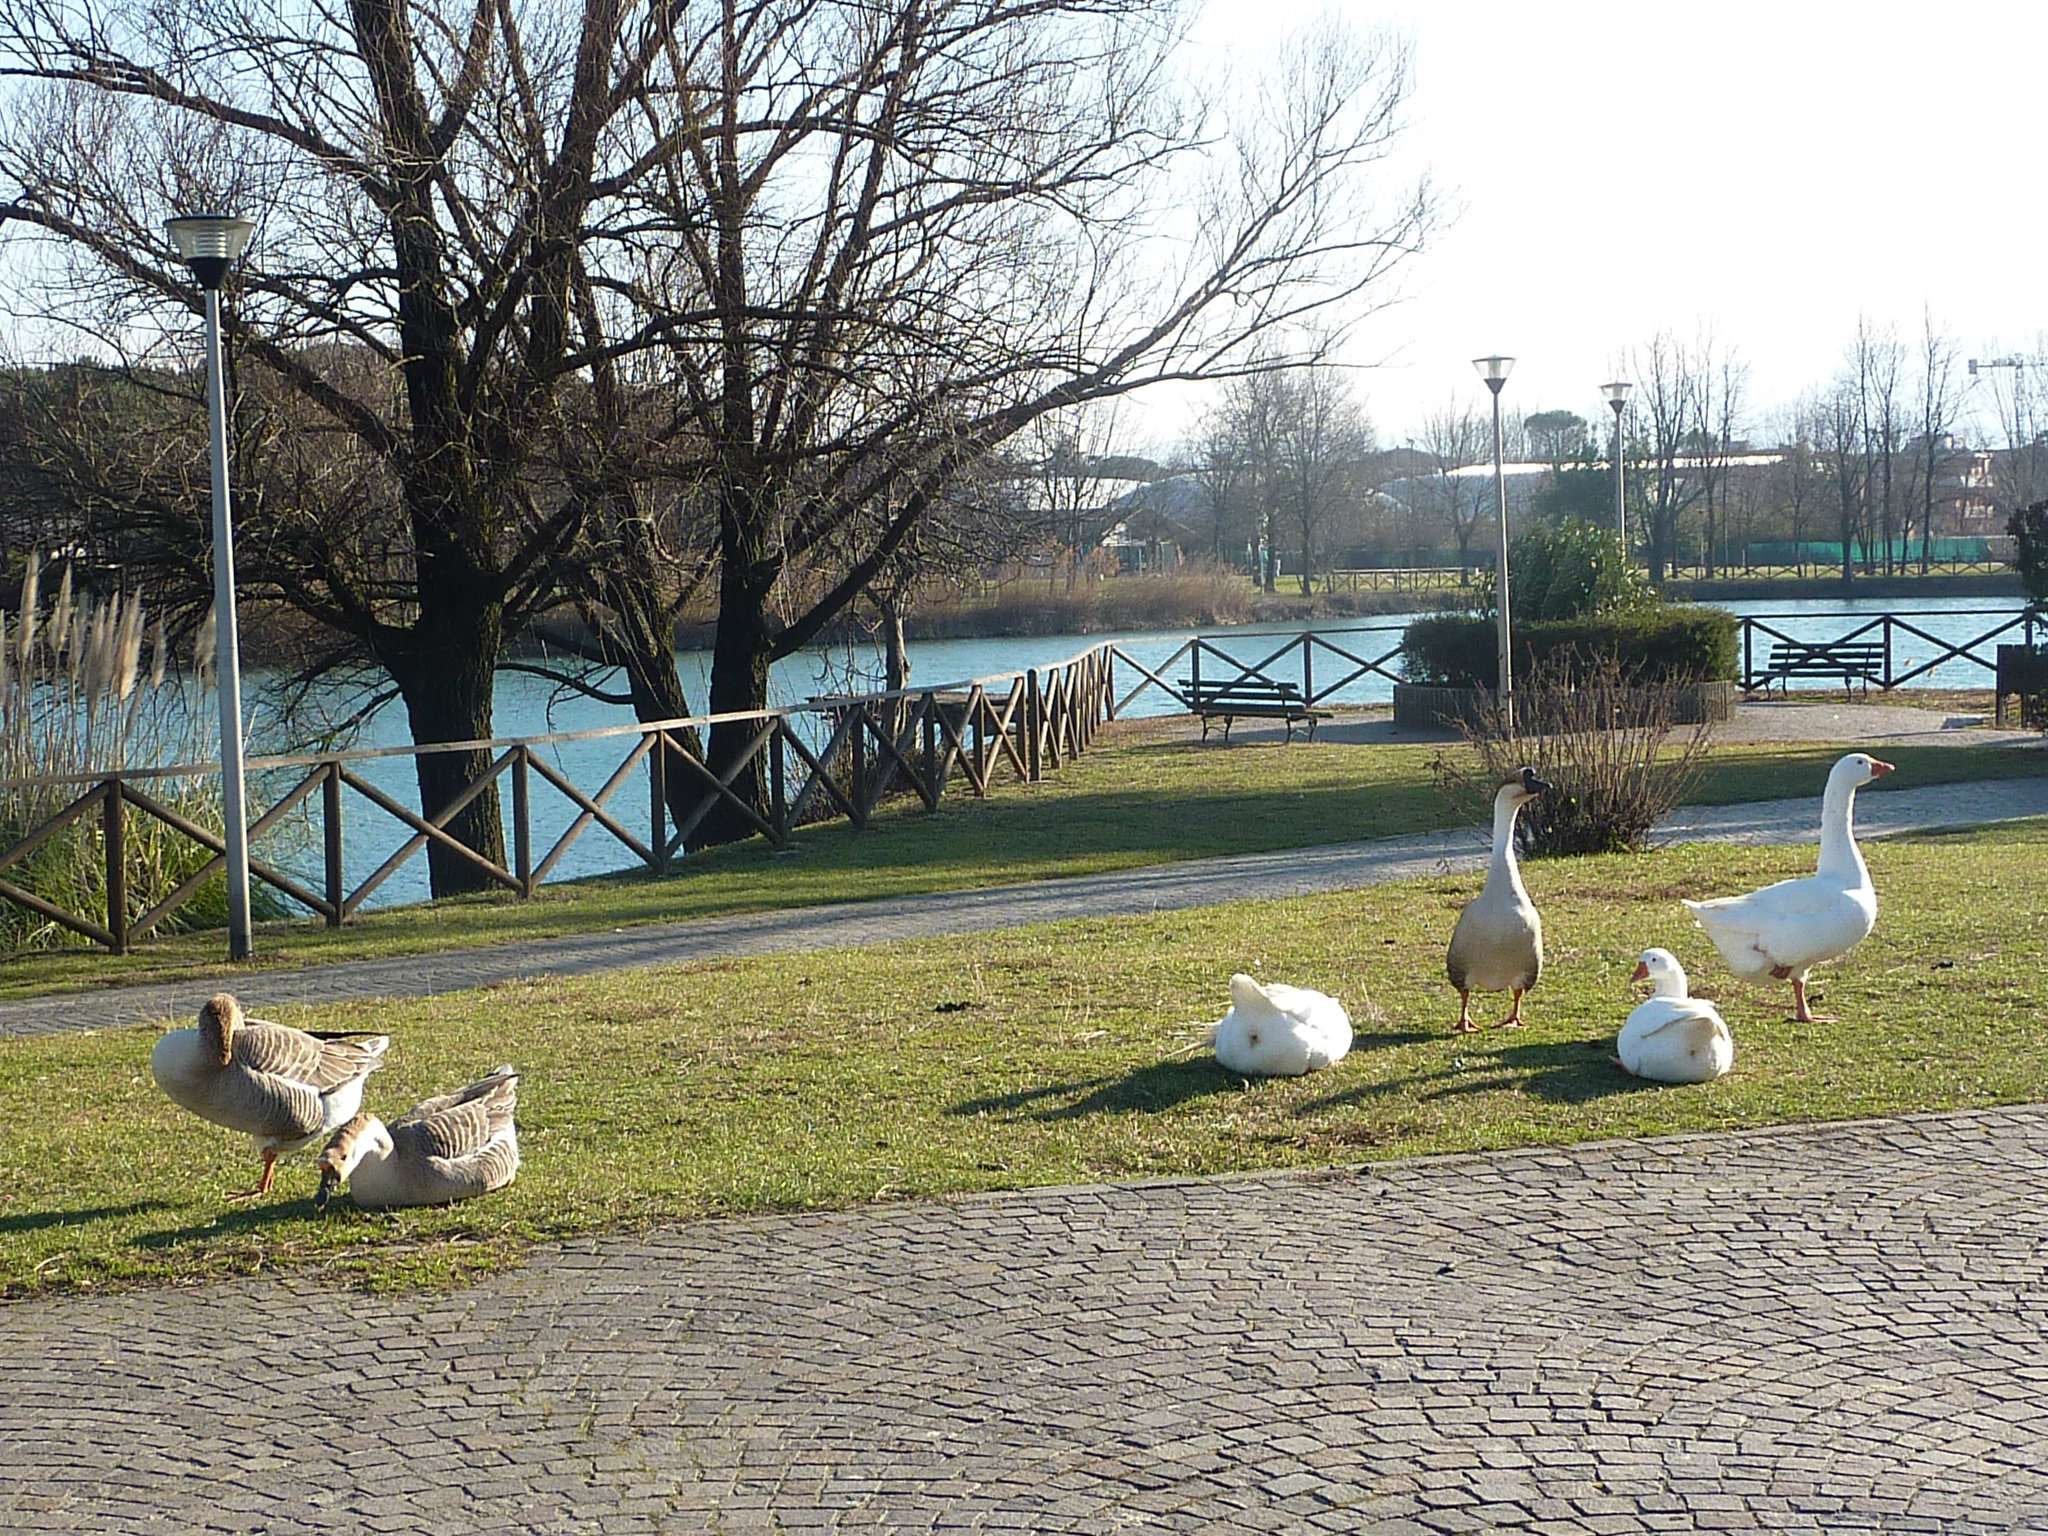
(1497,945)
(282,1086)
(1785,930)
(1670,1037)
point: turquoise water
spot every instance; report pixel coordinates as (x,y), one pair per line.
(532,706)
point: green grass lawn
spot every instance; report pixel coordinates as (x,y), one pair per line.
(1127,803)
(1041,1056)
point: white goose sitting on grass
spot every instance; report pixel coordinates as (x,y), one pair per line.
(1280,1031)
(1497,945)
(1785,930)
(284,1087)
(454,1147)
(1669,1037)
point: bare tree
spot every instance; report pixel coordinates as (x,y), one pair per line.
(1257,406)
(1937,418)
(916,228)
(1222,468)
(1879,363)
(1456,437)
(1843,444)
(1311,438)
(1666,404)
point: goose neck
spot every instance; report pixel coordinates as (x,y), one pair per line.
(1839,856)
(1503,866)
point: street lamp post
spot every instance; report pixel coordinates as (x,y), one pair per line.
(1495,371)
(209,244)
(1617,398)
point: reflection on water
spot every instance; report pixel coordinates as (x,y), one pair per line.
(533,706)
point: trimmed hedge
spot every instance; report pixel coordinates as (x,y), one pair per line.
(1652,645)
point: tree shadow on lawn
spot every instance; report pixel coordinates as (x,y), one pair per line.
(1159,1085)
(1561,1071)
(234,1221)
(41,1221)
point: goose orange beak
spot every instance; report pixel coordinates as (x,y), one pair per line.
(1641,973)
(1879,769)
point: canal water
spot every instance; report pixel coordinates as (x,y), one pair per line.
(533,706)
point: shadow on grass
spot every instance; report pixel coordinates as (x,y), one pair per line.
(233,1221)
(1560,1072)
(1161,1085)
(42,1221)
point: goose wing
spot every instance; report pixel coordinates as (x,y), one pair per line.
(323,1065)
(460,1124)
(1792,923)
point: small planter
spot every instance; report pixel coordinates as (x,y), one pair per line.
(1435,706)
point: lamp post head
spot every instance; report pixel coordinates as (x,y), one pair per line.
(1617,394)
(209,243)
(1494,370)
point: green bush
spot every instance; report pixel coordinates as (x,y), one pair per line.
(1571,570)
(1661,644)
(2029,529)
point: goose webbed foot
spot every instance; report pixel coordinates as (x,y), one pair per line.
(263,1184)
(1804,1014)
(1465,1024)
(1514,1019)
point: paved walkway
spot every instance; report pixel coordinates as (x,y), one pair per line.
(1839,1329)
(1158,888)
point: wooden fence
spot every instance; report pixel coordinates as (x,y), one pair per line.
(1766,646)
(829,758)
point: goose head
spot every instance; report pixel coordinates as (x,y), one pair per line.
(356,1140)
(1520,790)
(219,1018)
(1858,769)
(1660,968)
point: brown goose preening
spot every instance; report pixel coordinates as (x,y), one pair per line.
(284,1087)
(454,1147)
(1498,943)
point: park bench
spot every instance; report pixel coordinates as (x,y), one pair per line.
(2022,675)
(1852,661)
(1252,698)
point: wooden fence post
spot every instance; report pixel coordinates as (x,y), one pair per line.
(1034,710)
(1308,669)
(330,830)
(114,822)
(857,730)
(932,776)
(522,822)
(778,780)
(657,798)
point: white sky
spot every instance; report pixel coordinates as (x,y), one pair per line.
(1769,170)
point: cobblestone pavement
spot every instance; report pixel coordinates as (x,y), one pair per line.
(1158,888)
(1840,1329)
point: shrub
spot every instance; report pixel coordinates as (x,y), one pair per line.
(1616,763)
(2029,530)
(1572,570)
(1650,646)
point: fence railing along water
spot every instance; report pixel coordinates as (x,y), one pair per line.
(837,758)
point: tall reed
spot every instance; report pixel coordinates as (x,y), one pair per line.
(76,699)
